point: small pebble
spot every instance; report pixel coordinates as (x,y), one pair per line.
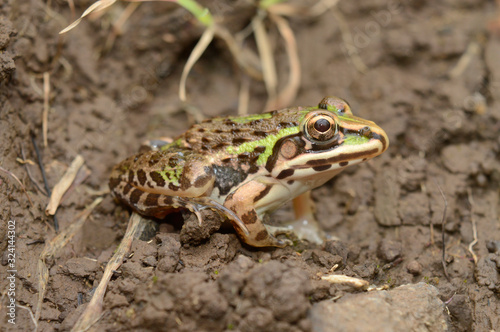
(414,268)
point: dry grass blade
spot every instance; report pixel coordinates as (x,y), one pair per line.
(17,180)
(341,279)
(285,9)
(53,246)
(287,95)
(118,25)
(247,60)
(205,40)
(45,113)
(266,54)
(474,227)
(97,6)
(244,96)
(94,309)
(472,50)
(63,185)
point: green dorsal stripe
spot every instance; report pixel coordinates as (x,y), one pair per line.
(267,142)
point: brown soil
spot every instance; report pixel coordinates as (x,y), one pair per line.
(387,213)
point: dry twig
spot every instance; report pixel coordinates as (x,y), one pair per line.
(63,185)
(93,310)
(342,279)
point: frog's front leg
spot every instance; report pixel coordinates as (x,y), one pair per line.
(242,202)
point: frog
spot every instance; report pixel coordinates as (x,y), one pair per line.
(245,167)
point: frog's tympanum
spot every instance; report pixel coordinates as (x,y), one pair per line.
(245,167)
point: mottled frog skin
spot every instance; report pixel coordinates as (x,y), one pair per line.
(245,167)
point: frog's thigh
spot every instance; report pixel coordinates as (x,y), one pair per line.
(241,202)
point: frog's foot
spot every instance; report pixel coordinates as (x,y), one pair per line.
(303,229)
(305,226)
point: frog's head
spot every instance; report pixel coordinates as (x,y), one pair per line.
(329,138)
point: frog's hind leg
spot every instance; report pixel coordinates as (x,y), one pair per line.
(253,231)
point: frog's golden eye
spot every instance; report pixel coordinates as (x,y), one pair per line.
(321,126)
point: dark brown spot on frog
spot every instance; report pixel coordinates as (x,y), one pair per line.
(201,130)
(345,163)
(141,175)
(151,200)
(217,131)
(135,196)
(260,133)
(253,169)
(365,159)
(154,159)
(205,140)
(168,200)
(321,168)
(262,235)
(226,160)
(240,140)
(221,145)
(290,182)
(260,149)
(113,183)
(263,193)
(173,161)
(130,176)
(160,181)
(285,173)
(243,156)
(127,188)
(149,184)
(287,124)
(250,217)
(173,187)
(201,181)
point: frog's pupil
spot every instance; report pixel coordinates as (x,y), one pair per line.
(322,125)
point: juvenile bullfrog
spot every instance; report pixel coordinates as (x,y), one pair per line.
(245,167)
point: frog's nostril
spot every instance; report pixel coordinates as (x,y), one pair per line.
(365,131)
